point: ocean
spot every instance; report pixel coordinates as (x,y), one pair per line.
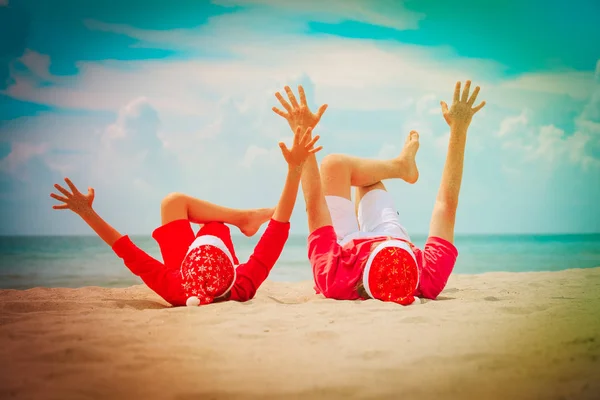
(77,261)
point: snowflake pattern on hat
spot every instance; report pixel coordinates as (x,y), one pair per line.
(394,276)
(207,273)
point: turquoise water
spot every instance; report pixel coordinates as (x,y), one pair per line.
(76,261)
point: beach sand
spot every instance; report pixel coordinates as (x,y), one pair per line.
(490,336)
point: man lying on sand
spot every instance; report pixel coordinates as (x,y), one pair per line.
(362,251)
(201,269)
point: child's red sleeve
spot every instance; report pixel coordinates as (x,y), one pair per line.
(252,274)
(166,283)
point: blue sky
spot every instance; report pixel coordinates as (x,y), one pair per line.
(138,99)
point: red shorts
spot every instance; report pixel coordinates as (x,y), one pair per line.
(175,238)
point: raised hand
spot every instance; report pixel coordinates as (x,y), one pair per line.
(75,201)
(461,112)
(302,147)
(298,115)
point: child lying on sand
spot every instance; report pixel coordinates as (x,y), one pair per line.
(362,251)
(201,269)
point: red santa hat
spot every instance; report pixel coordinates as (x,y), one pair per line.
(391,273)
(208,271)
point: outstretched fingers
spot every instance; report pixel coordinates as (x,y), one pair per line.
(465,94)
(284,150)
(473,96)
(321,111)
(64,200)
(305,135)
(72,186)
(302,96)
(284,103)
(298,138)
(59,198)
(62,190)
(312,143)
(456,93)
(444,107)
(279,112)
(479,107)
(291,97)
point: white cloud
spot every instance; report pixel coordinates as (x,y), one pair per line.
(205,125)
(510,124)
(131,150)
(425,105)
(388,151)
(275,16)
(552,144)
(352,74)
(252,153)
(136,120)
(388,14)
(441,142)
(514,172)
(575,84)
(20,155)
(38,64)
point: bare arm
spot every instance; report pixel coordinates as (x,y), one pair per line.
(296,159)
(458,117)
(81,205)
(285,207)
(266,253)
(299,115)
(102,228)
(316,206)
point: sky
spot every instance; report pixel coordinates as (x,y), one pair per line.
(142,98)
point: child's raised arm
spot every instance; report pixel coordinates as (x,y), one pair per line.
(153,273)
(266,253)
(81,204)
(302,148)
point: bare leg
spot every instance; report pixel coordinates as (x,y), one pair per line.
(339,171)
(180,206)
(362,190)
(446,204)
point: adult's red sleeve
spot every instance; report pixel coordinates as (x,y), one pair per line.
(252,274)
(166,283)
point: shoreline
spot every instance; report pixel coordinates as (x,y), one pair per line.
(492,335)
(278,282)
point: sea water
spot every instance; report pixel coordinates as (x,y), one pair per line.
(76,261)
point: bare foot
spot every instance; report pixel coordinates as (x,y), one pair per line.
(407,158)
(254,219)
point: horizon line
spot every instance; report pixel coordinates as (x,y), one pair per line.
(238,235)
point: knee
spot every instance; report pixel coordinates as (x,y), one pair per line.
(446,207)
(173,200)
(333,163)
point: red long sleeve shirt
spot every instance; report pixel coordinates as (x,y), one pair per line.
(167,283)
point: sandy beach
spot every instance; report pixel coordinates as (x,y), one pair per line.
(489,336)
